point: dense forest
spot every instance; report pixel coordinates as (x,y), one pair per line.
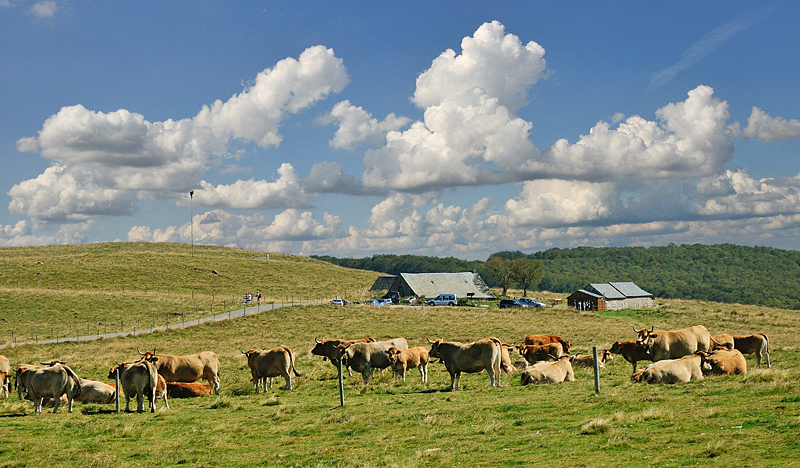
(722,273)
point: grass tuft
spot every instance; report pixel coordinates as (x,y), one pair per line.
(596,426)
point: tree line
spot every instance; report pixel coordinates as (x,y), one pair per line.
(721,273)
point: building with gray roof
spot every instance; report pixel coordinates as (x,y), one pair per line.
(429,285)
(610,296)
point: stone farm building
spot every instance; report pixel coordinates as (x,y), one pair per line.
(466,284)
(611,296)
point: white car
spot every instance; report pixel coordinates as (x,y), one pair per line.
(443,299)
(340,302)
(532,302)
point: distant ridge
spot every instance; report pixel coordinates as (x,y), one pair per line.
(721,273)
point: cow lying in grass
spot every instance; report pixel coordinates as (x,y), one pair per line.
(557,371)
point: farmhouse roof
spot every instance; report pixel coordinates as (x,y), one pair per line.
(383,282)
(464,284)
(617,291)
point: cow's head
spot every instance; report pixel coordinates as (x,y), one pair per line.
(565,345)
(434,352)
(319,349)
(646,337)
(247,353)
(112,372)
(393,353)
(341,352)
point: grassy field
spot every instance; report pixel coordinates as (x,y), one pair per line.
(720,421)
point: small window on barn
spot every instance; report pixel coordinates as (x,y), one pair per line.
(432,282)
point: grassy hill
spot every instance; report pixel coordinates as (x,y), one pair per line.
(63,289)
(719,421)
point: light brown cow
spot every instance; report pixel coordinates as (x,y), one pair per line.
(547,339)
(5,376)
(723,341)
(549,372)
(49,382)
(631,351)
(670,371)
(724,362)
(277,362)
(674,344)
(191,368)
(469,358)
(405,359)
(757,344)
(161,384)
(364,358)
(506,365)
(588,360)
(328,349)
(93,391)
(188,390)
(534,353)
(140,379)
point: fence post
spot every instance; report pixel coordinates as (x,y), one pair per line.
(341,384)
(596,371)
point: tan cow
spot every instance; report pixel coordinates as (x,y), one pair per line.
(188,390)
(632,351)
(5,376)
(757,344)
(535,353)
(587,360)
(49,382)
(724,362)
(506,365)
(405,359)
(723,341)
(161,384)
(364,358)
(670,371)
(140,379)
(277,362)
(191,368)
(547,339)
(469,358)
(557,371)
(674,344)
(93,391)
(328,349)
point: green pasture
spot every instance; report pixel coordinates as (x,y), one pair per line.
(720,421)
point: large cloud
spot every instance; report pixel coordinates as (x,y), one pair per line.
(119,152)
(284,192)
(357,125)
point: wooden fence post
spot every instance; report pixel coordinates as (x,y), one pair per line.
(596,371)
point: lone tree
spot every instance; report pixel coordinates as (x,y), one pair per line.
(526,273)
(499,269)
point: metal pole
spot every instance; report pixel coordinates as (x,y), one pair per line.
(596,371)
(191,216)
(116,381)
(341,384)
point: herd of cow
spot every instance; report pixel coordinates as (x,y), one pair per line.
(678,356)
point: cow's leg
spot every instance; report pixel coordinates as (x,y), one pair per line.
(403,374)
(164,396)
(766,356)
(70,399)
(422,372)
(37,405)
(153,402)
(127,402)
(140,403)
(366,373)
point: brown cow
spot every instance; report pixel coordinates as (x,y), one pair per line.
(506,365)
(140,379)
(724,362)
(535,353)
(404,359)
(277,362)
(548,339)
(670,371)
(5,376)
(631,351)
(757,344)
(364,358)
(674,344)
(188,390)
(469,358)
(549,372)
(329,349)
(588,360)
(191,368)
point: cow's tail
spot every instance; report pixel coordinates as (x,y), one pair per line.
(291,361)
(76,381)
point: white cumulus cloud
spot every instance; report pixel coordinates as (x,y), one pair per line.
(770,129)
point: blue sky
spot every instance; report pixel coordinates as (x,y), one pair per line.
(353,129)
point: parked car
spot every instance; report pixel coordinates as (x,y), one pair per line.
(394,296)
(532,302)
(341,302)
(443,299)
(410,300)
(380,302)
(506,303)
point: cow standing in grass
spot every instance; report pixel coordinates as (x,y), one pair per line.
(631,351)
(49,382)
(757,344)
(470,358)
(277,362)
(405,359)
(191,368)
